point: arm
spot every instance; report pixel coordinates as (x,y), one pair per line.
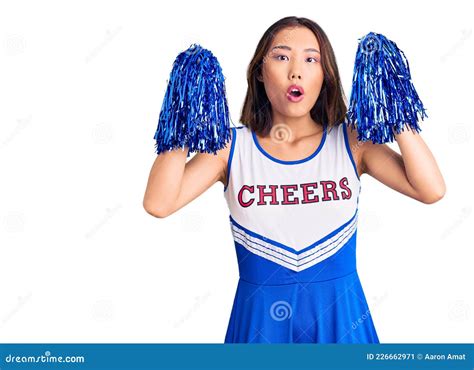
(414,173)
(173,182)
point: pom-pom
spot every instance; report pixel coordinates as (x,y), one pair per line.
(194,112)
(383,99)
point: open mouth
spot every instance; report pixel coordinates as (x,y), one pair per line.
(295,92)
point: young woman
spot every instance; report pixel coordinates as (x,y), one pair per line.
(291,178)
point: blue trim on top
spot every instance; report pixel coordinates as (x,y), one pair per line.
(231,154)
(318,149)
(346,140)
(287,248)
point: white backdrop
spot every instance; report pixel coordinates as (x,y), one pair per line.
(81,90)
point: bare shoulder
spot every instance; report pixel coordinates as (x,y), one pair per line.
(357,148)
(223,155)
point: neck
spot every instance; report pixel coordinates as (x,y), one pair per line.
(299,126)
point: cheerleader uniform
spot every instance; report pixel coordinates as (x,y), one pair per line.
(294,225)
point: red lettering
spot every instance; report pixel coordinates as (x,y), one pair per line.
(263,194)
(240,196)
(343,184)
(289,193)
(286,193)
(307,191)
(329,186)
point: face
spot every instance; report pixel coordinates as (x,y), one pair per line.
(293,58)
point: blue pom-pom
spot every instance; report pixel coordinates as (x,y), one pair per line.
(194,112)
(383,99)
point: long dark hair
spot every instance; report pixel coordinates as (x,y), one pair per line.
(330,107)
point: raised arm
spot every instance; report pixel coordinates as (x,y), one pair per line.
(414,173)
(173,182)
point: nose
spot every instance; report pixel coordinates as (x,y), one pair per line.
(294,75)
(294,70)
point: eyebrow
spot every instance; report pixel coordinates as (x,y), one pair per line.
(288,48)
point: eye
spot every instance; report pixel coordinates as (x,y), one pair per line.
(278,57)
(315,60)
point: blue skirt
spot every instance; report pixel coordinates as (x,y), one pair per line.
(322,304)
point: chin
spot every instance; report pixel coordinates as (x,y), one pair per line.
(297,112)
(294,111)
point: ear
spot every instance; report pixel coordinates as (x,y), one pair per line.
(259,77)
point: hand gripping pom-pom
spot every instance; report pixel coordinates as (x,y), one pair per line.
(194,112)
(383,99)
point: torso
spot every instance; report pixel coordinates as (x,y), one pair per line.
(293,214)
(301,206)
